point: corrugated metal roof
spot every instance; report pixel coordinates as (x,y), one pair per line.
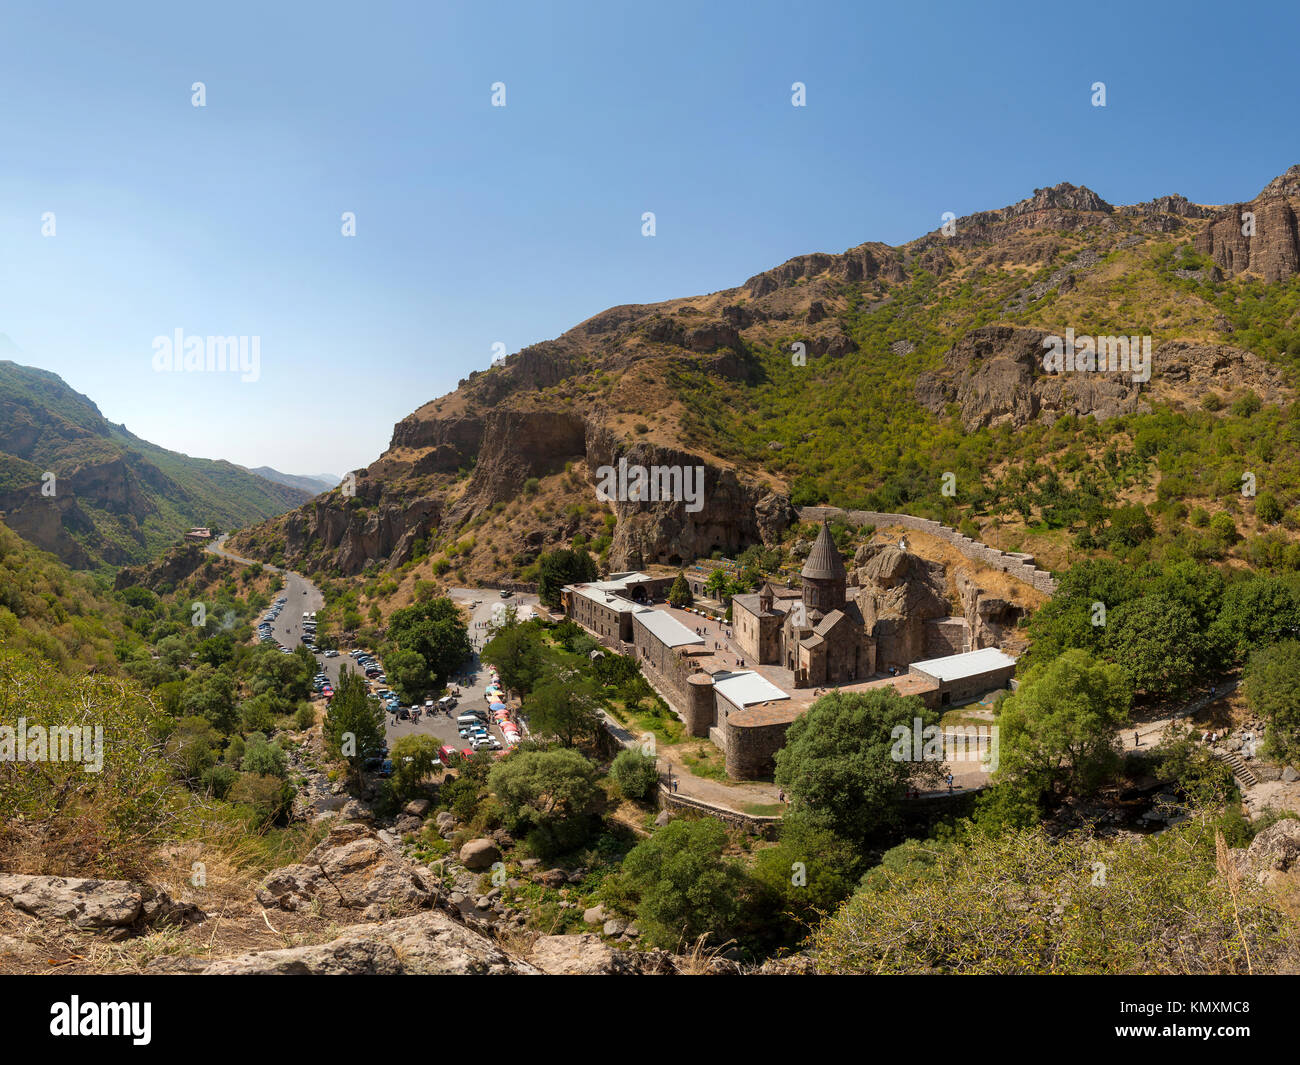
(667,629)
(747,688)
(970,664)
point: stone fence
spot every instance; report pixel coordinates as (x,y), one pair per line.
(1015,564)
(754,824)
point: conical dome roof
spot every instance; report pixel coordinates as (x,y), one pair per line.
(824,562)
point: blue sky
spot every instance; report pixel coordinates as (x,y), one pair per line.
(478,225)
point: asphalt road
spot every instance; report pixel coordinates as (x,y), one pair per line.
(485,605)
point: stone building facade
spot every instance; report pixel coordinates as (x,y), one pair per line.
(821,635)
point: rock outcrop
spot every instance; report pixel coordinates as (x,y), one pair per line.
(352,868)
(589,955)
(426,944)
(1259,237)
(117,907)
(995,374)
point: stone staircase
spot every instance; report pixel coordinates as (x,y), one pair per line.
(1240,770)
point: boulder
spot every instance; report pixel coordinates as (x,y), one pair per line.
(121,906)
(479,854)
(356,811)
(417,807)
(1275,849)
(1289,775)
(615,926)
(594,915)
(589,955)
(352,867)
(421,945)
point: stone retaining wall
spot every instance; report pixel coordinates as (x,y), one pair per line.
(751,823)
(1010,562)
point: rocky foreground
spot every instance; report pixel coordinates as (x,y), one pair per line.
(357,904)
(370,909)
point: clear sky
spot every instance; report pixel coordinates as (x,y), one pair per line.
(479,224)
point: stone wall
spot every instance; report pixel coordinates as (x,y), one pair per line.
(1013,563)
(946,636)
(755,824)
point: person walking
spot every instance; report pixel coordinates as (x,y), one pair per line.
(950,783)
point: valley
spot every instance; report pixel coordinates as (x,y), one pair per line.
(631,624)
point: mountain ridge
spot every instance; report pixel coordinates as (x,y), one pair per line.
(694,379)
(112,497)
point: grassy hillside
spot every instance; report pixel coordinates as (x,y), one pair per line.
(119,499)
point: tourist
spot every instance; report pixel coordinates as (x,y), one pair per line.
(949,782)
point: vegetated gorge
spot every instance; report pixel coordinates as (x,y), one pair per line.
(1142,814)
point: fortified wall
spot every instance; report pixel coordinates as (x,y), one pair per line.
(1015,563)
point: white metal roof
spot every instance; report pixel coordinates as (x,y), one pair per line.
(970,664)
(747,688)
(666,628)
(607,599)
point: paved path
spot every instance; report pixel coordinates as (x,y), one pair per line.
(1149,733)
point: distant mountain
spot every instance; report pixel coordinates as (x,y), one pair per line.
(315,483)
(114,499)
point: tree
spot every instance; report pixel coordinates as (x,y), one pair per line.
(1271,685)
(210,693)
(190,748)
(1023,902)
(437,632)
(685,887)
(807,874)
(1267,508)
(1156,642)
(717,583)
(1057,733)
(1256,611)
(679,595)
(517,651)
(414,758)
(636,774)
(560,567)
(564,706)
(354,723)
(840,764)
(546,796)
(407,674)
(263,758)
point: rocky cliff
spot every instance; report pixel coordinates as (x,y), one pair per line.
(1258,237)
(507,464)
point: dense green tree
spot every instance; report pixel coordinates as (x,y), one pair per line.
(408,674)
(806,875)
(636,774)
(1256,611)
(1156,642)
(679,595)
(519,654)
(684,886)
(263,757)
(436,631)
(547,797)
(560,567)
(563,706)
(354,723)
(841,766)
(414,758)
(1271,684)
(1057,735)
